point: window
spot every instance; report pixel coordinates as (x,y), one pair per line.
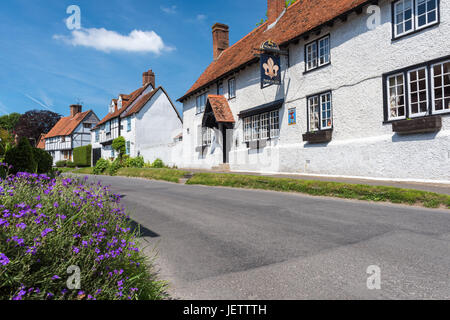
(320,113)
(63,139)
(418,92)
(441,87)
(128,148)
(97,135)
(232,88)
(274,123)
(424,89)
(206,136)
(87,125)
(265,121)
(247,129)
(128,124)
(413,15)
(201,103)
(396,90)
(220,89)
(262,126)
(108,127)
(317,53)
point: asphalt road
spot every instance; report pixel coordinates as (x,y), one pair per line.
(221,243)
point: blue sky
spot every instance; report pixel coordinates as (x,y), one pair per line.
(44,65)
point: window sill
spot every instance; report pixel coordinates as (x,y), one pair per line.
(317,68)
(322,136)
(428,124)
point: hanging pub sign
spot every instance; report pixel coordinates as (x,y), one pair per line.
(270,64)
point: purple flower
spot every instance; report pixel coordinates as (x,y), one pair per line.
(4,259)
(45,232)
(56,205)
(39,206)
(56,277)
(21,225)
(76,250)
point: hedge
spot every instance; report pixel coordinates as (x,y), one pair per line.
(82,156)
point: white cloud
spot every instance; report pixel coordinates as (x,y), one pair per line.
(107,41)
(169,10)
(201,17)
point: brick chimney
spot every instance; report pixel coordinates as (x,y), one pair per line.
(148,77)
(221,39)
(274,9)
(75,109)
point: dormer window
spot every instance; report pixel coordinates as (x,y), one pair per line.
(119,103)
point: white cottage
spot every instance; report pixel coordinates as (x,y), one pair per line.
(364,92)
(147,119)
(69,133)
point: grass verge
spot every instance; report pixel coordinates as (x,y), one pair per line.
(170,175)
(321,188)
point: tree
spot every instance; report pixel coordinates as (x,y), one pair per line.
(21,157)
(119,146)
(9,121)
(33,123)
(6,140)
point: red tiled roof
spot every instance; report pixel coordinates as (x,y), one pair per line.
(301,17)
(65,126)
(221,109)
(127,101)
(41,143)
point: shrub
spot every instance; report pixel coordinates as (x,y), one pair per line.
(21,157)
(71,164)
(61,164)
(43,159)
(49,225)
(158,163)
(101,166)
(115,166)
(118,145)
(82,156)
(137,162)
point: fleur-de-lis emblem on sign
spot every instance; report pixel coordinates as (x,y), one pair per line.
(271,68)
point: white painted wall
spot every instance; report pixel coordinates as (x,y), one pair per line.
(362,145)
(155,127)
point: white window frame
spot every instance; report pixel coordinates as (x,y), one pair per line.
(420,114)
(200,103)
(433,88)
(416,14)
(256,125)
(274,124)
(322,104)
(264,126)
(206,136)
(327,54)
(322,110)
(247,129)
(311,56)
(388,86)
(316,101)
(396,23)
(232,88)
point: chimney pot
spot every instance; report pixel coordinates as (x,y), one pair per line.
(75,109)
(148,77)
(274,9)
(221,39)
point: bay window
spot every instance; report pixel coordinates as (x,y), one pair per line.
(320,112)
(414,15)
(262,126)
